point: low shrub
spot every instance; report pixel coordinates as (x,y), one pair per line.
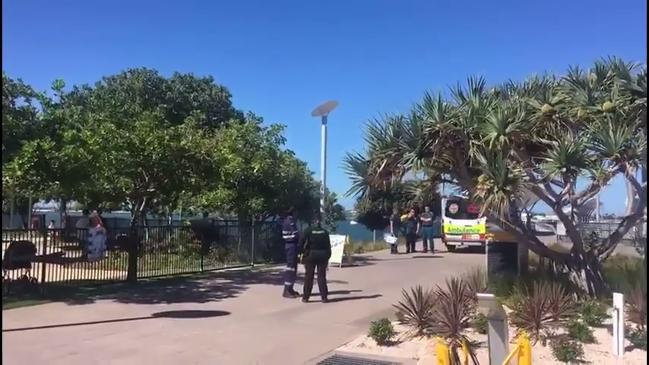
(381,331)
(377,246)
(502,285)
(580,331)
(624,273)
(636,306)
(592,312)
(638,337)
(477,280)
(480,323)
(567,350)
(358,248)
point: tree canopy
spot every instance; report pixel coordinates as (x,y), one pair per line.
(146,143)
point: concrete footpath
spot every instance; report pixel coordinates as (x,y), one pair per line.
(223,318)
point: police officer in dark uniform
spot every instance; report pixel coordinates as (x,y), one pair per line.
(290,235)
(316,251)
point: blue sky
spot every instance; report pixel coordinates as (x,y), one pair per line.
(282,58)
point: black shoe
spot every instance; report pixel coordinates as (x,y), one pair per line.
(325,300)
(288,294)
(294,292)
(305,300)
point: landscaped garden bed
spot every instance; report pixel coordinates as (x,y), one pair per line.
(564,324)
(423,349)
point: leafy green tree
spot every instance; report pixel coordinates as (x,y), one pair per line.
(135,140)
(128,95)
(333,212)
(146,143)
(256,176)
(20,116)
(534,137)
(371,214)
(22,122)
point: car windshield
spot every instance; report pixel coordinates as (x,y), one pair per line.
(461,209)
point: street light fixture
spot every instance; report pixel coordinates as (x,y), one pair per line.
(323,111)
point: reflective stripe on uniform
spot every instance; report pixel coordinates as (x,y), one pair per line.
(289,235)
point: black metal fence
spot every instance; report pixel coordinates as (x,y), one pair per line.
(33,258)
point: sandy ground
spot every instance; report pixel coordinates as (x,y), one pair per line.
(423,350)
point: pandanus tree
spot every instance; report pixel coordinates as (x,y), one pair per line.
(519,142)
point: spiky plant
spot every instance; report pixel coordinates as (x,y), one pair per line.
(453,314)
(416,309)
(561,304)
(532,313)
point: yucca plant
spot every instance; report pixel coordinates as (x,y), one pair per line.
(561,304)
(533,312)
(453,313)
(416,309)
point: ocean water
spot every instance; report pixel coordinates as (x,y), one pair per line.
(357,232)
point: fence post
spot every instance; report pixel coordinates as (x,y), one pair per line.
(131,272)
(618,324)
(497,328)
(252,242)
(205,251)
(44,253)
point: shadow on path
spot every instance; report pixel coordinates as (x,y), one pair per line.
(359,297)
(197,288)
(340,292)
(180,314)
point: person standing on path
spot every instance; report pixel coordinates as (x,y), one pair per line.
(427,232)
(412,228)
(395,228)
(290,235)
(316,251)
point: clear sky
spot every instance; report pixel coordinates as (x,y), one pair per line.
(282,58)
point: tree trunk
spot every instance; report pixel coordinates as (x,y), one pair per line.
(630,194)
(586,272)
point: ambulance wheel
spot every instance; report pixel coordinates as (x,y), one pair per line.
(451,248)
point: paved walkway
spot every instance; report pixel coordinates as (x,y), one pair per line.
(224,318)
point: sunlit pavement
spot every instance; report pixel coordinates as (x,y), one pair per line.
(226,318)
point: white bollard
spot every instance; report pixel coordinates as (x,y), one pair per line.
(498,330)
(618,324)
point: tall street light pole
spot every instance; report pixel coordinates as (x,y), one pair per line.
(323,111)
